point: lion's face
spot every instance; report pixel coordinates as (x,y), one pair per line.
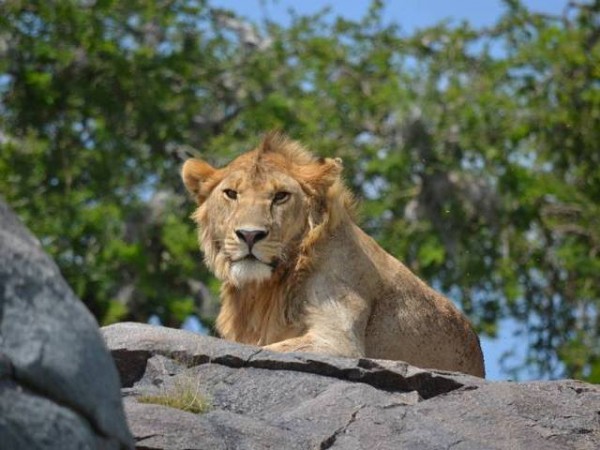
(255,224)
(255,213)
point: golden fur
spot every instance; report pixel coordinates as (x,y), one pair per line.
(276,226)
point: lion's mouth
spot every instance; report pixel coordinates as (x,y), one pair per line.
(250,257)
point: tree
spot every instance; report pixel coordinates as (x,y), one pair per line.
(474,151)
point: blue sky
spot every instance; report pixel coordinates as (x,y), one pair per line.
(409,14)
(412,15)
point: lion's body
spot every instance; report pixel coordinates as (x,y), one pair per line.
(315,281)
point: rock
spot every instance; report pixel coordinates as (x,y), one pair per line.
(59,388)
(266,400)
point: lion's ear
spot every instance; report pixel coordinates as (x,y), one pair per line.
(322,174)
(197,176)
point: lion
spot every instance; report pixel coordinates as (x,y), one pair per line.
(277,227)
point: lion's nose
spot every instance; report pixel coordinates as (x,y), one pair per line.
(250,237)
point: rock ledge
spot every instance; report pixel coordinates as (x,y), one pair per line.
(304,401)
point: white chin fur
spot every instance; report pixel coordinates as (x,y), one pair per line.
(249,270)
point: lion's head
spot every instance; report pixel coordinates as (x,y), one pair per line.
(261,214)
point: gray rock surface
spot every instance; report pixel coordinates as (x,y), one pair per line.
(59,388)
(264,400)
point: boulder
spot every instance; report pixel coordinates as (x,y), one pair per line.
(59,388)
(264,400)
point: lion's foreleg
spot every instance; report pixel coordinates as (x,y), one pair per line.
(303,343)
(314,343)
(334,327)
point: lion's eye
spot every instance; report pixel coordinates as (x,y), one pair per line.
(281,197)
(230,193)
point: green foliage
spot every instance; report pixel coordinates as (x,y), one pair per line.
(474,152)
